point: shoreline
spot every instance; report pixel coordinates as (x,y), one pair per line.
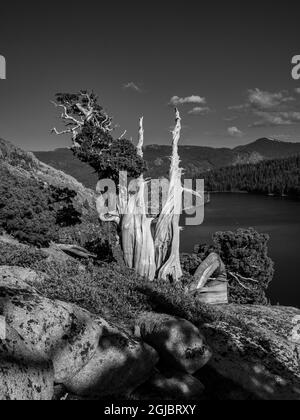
(293,197)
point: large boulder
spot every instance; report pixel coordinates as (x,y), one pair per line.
(257,348)
(90,355)
(67,335)
(178,342)
(119,366)
(24,373)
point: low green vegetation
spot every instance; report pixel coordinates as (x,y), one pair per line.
(109,290)
(34,212)
(20,256)
(119,294)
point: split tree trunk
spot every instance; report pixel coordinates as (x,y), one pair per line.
(137,240)
(151,255)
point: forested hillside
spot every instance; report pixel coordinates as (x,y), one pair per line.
(279,177)
(194,159)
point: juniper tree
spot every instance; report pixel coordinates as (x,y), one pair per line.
(91,128)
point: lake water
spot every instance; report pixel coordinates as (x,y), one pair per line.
(278,217)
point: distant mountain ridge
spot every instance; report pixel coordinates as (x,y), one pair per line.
(270,148)
(195,159)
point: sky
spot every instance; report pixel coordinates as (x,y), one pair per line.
(226,65)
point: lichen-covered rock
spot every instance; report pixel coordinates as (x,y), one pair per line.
(177,341)
(119,366)
(68,337)
(89,355)
(172,385)
(77,346)
(20,278)
(24,373)
(62,332)
(257,348)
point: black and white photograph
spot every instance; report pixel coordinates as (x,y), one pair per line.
(149,204)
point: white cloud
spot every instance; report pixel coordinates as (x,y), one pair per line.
(263,100)
(132,86)
(198,110)
(235,132)
(270,108)
(273,119)
(193,99)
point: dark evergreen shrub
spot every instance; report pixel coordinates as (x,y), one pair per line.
(33,212)
(95,145)
(250,269)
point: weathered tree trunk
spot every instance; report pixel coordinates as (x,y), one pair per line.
(167,238)
(212,264)
(208,290)
(137,240)
(160,255)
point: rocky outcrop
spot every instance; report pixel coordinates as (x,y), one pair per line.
(178,342)
(252,350)
(248,158)
(257,348)
(119,365)
(20,278)
(24,373)
(65,334)
(90,356)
